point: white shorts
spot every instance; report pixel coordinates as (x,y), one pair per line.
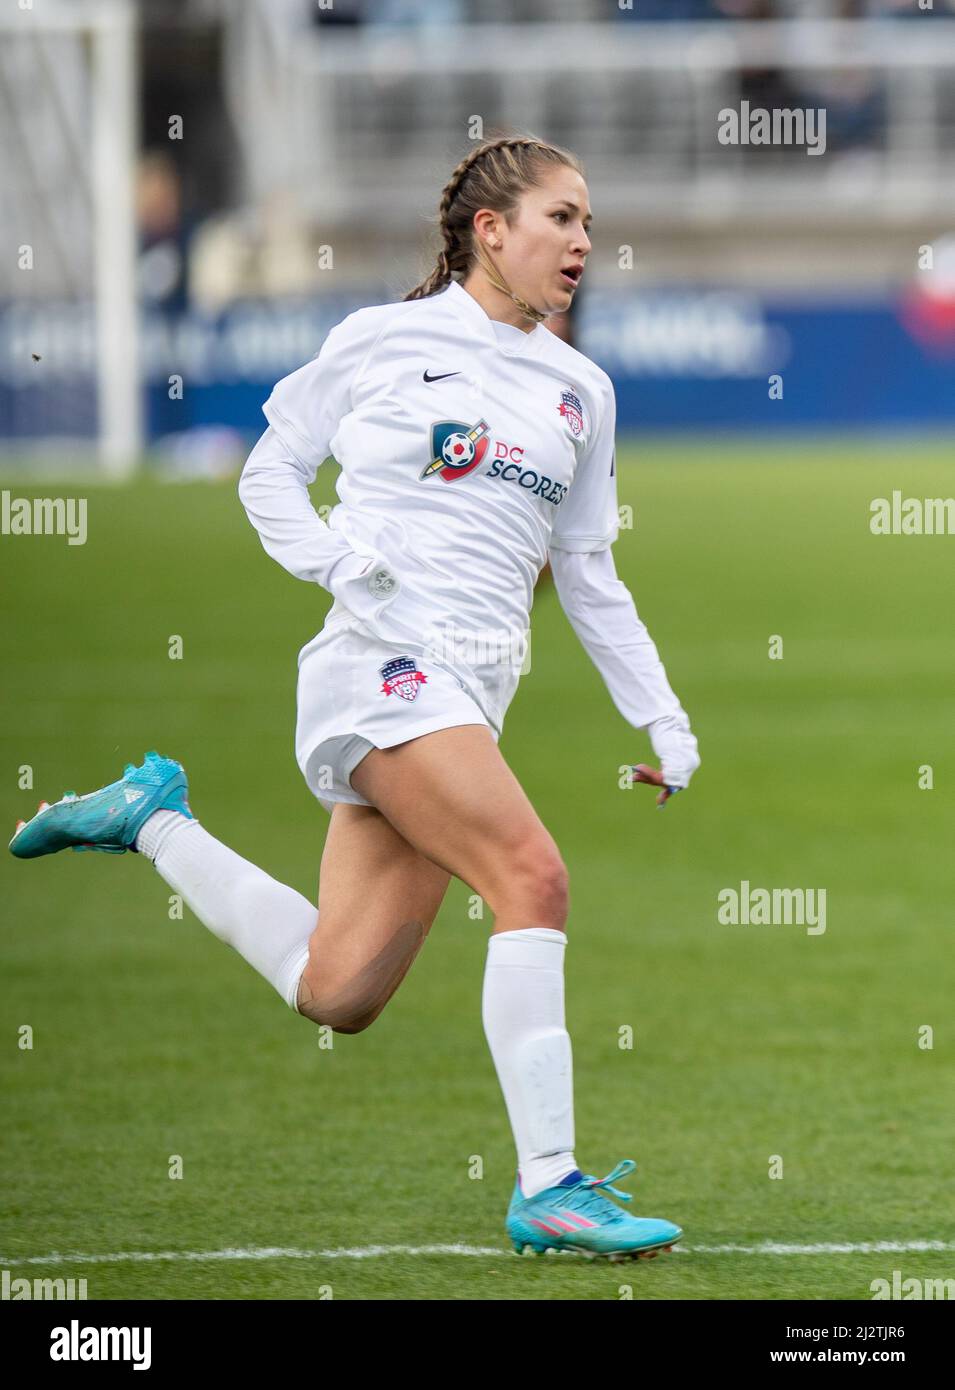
(356,693)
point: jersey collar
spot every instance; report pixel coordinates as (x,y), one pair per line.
(469,310)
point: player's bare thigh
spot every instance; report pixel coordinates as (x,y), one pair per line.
(377,900)
(452,796)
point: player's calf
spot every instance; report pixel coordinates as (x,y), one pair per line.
(349,1001)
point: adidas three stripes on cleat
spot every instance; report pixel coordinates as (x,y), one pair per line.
(576,1216)
(108,819)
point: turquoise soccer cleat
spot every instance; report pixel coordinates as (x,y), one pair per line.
(576,1216)
(107,820)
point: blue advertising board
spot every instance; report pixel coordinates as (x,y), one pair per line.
(681,359)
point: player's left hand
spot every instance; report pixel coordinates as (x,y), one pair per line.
(644,773)
(676,748)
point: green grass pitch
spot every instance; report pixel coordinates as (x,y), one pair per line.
(151,1039)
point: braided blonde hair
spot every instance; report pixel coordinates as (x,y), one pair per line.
(493,175)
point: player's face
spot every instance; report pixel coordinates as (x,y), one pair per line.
(546,246)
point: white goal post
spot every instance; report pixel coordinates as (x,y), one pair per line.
(68,96)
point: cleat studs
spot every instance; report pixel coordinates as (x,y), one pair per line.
(43,806)
(19,826)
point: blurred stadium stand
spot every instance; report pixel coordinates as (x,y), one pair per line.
(310,126)
(360,125)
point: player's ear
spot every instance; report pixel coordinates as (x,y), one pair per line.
(486,225)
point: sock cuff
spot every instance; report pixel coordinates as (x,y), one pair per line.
(526,946)
(293,973)
(155,833)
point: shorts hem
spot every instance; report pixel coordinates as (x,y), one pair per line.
(328,796)
(431,726)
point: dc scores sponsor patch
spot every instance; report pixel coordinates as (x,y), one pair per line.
(456,448)
(402,677)
(572,411)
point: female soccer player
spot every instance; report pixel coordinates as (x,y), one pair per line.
(473,444)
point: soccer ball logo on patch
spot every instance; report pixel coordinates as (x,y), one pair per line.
(456,448)
(402,677)
(572,411)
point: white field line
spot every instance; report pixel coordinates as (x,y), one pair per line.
(366,1252)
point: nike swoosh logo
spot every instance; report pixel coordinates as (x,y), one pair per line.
(440,377)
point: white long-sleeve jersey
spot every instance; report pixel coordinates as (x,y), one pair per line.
(470,452)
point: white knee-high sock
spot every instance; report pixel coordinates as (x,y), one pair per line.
(268,923)
(523,1014)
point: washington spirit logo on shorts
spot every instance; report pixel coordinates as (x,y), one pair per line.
(572,411)
(402,677)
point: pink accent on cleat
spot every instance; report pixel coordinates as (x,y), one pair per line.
(555,1230)
(581,1220)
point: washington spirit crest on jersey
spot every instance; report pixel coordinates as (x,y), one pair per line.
(402,677)
(572,411)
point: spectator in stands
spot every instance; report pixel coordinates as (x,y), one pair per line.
(164,234)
